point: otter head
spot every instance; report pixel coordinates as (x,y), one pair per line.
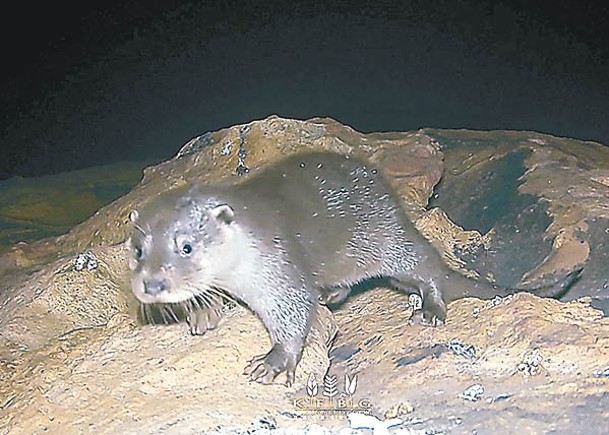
(181,247)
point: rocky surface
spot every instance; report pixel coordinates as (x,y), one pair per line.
(540,202)
(515,207)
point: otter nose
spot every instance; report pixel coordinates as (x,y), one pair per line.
(154,287)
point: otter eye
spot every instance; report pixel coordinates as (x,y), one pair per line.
(186,249)
(138,253)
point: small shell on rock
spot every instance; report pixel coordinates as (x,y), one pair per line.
(86,260)
(601,373)
(461,349)
(398,410)
(473,393)
(531,363)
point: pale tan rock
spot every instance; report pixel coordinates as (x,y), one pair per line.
(73,358)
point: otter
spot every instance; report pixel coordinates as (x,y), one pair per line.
(297,233)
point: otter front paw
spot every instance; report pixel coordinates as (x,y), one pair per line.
(265,368)
(203,319)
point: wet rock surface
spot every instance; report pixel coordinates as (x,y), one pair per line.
(515,207)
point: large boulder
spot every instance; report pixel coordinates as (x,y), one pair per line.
(518,208)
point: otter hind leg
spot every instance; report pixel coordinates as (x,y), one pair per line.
(433,309)
(334,295)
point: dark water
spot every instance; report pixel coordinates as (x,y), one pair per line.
(34,208)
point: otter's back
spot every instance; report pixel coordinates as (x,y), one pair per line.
(337,211)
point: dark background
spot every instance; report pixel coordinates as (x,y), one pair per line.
(88,83)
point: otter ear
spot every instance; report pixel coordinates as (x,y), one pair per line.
(224,213)
(133,216)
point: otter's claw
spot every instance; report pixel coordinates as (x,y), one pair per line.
(203,319)
(265,368)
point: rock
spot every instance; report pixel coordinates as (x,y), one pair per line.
(535,204)
(516,207)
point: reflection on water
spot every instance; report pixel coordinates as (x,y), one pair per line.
(35,208)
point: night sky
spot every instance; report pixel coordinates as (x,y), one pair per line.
(88,83)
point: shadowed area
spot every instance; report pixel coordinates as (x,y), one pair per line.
(485,197)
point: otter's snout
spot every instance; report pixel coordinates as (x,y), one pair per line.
(155,286)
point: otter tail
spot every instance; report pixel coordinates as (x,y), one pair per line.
(459,286)
(548,287)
